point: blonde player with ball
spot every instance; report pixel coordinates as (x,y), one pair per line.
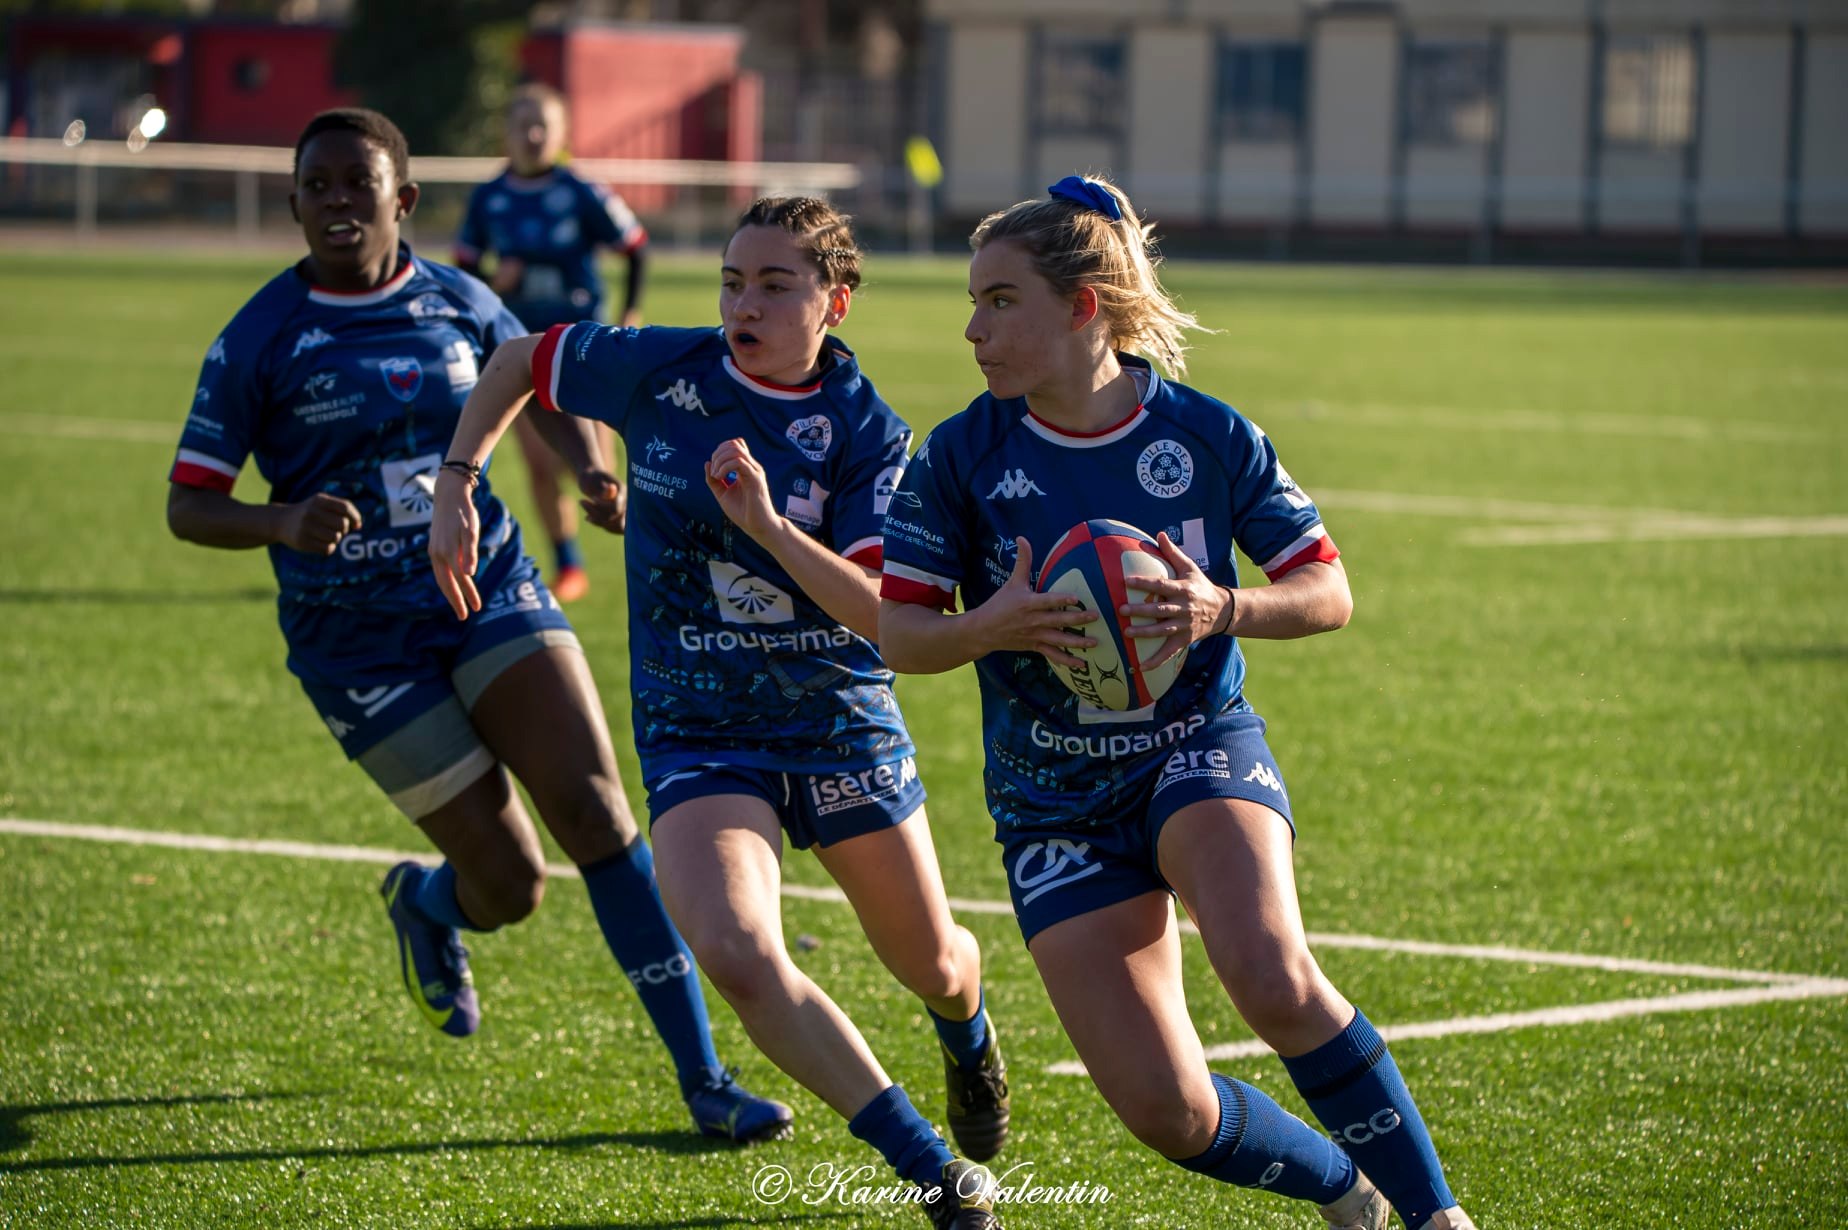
(1105,814)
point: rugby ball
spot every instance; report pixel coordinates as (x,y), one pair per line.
(1096,562)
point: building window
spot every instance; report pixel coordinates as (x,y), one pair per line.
(1261,91)
(1649,91)
(1449,92)
(1081,85)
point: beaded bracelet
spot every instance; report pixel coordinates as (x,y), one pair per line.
(468,469)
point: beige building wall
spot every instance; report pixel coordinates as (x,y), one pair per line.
(1257,182)
(1171,91)
(985,115)
(1745,134)
(1353,85)
(1346,159)
(1824,208)
(1546,99)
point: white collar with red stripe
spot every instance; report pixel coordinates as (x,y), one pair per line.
(407,269)
(1147,385)
(769,388)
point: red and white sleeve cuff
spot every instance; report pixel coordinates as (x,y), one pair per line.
(920,588)
(195,469)
(545,366)
(1312,546)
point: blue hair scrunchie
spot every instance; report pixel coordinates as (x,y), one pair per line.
(1090,194)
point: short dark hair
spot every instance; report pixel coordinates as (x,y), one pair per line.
(824,234)
(367,123)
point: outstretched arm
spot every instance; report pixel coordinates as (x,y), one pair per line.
(454,527)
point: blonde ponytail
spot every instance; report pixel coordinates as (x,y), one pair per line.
(1074,243)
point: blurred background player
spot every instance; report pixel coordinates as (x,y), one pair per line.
(544,227)
(761,462)
(344,377)
(1102,816)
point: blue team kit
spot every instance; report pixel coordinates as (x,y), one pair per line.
(1060,769)
(357,395)
(552,224)
(731,663)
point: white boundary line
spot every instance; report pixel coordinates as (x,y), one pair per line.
(1774,986)
(1571,524)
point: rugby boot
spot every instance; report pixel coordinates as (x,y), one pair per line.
(431,958)
(978,1101)
(1452,1218)
(1363,1208)
(725,1109)
(963,1199)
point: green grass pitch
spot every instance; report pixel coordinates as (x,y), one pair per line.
(1592,701)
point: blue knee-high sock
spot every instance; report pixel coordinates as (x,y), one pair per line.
(1354,1088)
(568,554)
(434,897)
(966,1040)
(892,1125)
(639,933)
(1260,1144)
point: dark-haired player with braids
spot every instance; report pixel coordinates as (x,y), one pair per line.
(343,378)
(761,461)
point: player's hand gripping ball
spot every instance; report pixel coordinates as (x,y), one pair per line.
(1096,562)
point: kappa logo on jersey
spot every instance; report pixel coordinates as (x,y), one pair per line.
(1261,773)
(410,488)
(684,395)
(308,340)
(341,729)
(885,487)
(321,383)
(1165,468)
(1014,486)
(217,353)
(804,507)
(1046,865)
(812,435)
(658,450)
(924,453)
(425,309)
(746,599)
(403,377)
(201,395)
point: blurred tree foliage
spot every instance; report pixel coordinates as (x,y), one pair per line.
(441,69)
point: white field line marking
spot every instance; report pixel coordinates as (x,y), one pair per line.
(807,892)
(1476,508)
(1781,986)
(1581,523)
(1654,530)
(1572,524)
(1647,426)
(74,427)
(1578,1014)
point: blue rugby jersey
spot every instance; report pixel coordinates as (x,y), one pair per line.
(729,659)
(1183,462)
(355,395)
(553,223)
